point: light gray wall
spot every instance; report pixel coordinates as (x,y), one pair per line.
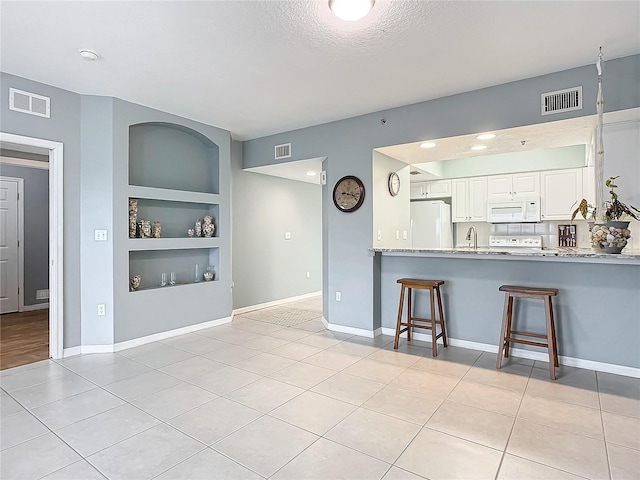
(63,126)
(36,228)
(588,294)
(267,267)
(96,212)
(348,143)
(391,214)
(532,160)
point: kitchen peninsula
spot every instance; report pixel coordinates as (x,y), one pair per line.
(597,309)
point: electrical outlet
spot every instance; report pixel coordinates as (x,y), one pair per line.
(338,296)
(404,234)
(102,309)
(308,274)
(42,294)
(287,235)
(100,235)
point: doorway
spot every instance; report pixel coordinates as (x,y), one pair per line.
(54,152)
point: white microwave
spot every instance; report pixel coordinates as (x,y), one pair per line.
(518,210)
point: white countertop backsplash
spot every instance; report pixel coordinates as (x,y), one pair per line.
(547,230)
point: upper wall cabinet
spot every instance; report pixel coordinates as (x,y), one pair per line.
(418,190)
(560,190)
(469,199)
(506,187)
(439,189)
(172,157)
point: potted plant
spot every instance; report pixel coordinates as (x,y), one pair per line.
(612,235)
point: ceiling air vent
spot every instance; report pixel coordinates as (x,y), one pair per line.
(283,151)
(561,101)
(30,103)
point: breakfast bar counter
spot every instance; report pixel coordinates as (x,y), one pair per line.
(597,308)
(560,254)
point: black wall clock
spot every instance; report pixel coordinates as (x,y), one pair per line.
(348,194)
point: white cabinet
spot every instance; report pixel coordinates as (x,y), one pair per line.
(439,189)
(469,199)
(418,190)
(506,187)
(560,190)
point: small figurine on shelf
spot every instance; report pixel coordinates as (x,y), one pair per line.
(172,278)
(163,279)
(197,276)
(145,228)
(208,228)
(157,229)
(134,282)
(191,232)
(198,229)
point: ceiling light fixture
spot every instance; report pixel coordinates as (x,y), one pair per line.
(351,10)
(486,136)
(89,55)
(310,173)
(427,145)
(478,147)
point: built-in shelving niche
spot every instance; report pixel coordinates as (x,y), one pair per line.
(164,155)
(176,217)
(150,264)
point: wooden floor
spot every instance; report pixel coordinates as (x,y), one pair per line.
(24,338)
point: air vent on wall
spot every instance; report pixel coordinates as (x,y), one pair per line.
(561,101)
(283,151)
(30,103)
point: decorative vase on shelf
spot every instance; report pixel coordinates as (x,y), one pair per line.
(134,282)
(133,217)
(610,237)
(198,228)
(208,228)
(144,227)
(209,274)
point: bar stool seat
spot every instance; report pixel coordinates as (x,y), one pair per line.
(426,323)
(506,332)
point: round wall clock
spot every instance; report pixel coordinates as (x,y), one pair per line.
(348,194)
(394,184)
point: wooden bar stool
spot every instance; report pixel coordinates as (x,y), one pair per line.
(506,333)
(432,286)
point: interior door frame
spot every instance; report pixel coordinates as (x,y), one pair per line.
(55,151)
(20,234)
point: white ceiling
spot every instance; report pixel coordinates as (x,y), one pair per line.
(262,67)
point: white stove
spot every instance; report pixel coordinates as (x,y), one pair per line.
(532,242)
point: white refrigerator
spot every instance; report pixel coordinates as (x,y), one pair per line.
(431,224)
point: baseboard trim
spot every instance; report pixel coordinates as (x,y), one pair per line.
(530,355)
(37,306)
(361,332)
(274,303)
(136,342)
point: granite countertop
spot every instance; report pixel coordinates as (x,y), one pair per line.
(559,253)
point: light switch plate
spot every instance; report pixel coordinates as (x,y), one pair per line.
(287,235)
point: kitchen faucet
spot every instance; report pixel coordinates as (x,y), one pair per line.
(472,229)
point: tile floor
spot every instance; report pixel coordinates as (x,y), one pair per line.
(275,395)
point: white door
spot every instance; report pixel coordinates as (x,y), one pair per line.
(560,190)
(500,187)
(460,200)
(478,199)
(9,301)
(526,183)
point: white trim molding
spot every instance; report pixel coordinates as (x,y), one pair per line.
(361,332)
(55,150)
(528,354)
(136,342)
(36,306)
(275,303)
(22,162)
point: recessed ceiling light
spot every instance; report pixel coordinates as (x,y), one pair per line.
(478,147)
(427,145)
(486,136)
(88,54)
(351,10)
(310,173)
